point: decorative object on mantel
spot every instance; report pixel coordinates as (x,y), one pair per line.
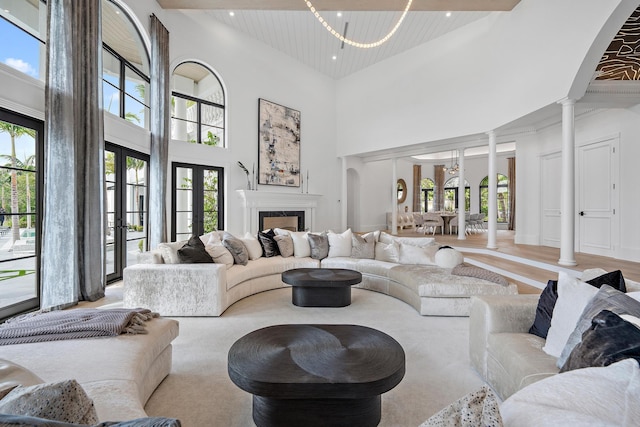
(307,181)
(278,145)
(247,172)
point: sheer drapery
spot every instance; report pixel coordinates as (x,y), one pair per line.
(160,100)
(73,230)
(417,177)
(512,192)
(438,187)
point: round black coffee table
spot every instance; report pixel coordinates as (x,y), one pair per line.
(321,287)
(316,375)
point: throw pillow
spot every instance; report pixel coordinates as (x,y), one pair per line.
(236,247)
(573,297)
(253,246)
(64,401)
(193,252)
(480,273)
(169,251)
(363,247)
(389,252)
(585,397)
(410,254)
(285,245)
(301,248)
(448,258)
(479,408)
(607,298)
(339,244)
(219,253)
(549,296)
(268,243)
(319,244)
(12,375)
(414,241)
(613,279)
(609,340)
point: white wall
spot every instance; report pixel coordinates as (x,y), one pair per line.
(473,80)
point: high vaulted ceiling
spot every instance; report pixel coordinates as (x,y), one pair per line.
(288,25)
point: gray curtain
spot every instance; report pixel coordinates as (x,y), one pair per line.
(160,100)
(438,187)
(73,268)
(417,188)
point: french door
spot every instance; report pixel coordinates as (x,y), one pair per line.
(126,180)
(197,200)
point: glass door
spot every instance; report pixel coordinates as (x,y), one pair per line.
(21,142)
(197,200)
(126,180)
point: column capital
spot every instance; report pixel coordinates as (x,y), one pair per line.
(491,134)
(567,101)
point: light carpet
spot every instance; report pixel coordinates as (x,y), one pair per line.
(199,392)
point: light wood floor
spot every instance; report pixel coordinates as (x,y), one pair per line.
(533,263)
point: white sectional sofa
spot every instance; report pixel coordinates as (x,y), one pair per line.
(118,373)
(209,289)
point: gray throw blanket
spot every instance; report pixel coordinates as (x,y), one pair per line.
(73,324)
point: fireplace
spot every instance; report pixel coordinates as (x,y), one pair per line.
(287,220)
(289,210)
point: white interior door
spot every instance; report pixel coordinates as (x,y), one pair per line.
(550,168)
(596,206)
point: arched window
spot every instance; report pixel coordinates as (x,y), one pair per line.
(23,29)
(451,194)
(197,105)
(125,66)
(502,197)
(426,194)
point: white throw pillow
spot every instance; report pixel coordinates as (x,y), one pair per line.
(410,254)
(301,247)
(218,252)
(339,244)
(281,231)
(573,297)
(421,242)
(253,246)
(448,258)
(389,252)
(169,251)
(602,396)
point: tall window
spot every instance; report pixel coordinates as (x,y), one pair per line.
(23,31)
(198,195)
(21,142)
(125,61)
(451,194)
(197,105)
(426,194)
(502,198)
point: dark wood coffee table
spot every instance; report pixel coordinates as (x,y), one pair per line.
(316,375)
(321,287)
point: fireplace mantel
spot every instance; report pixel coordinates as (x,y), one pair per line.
(256,201)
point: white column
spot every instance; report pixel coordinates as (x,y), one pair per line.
(567,185)
(462,226)
(493,193)
(343,199)
(394,196)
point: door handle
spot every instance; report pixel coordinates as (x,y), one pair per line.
(581,213)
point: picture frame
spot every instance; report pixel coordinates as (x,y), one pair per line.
(278,145)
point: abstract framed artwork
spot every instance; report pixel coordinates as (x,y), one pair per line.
(278,144)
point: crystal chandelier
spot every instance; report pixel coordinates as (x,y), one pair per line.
(453,168)
(354,43)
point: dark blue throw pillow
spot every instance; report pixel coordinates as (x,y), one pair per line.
(549,296)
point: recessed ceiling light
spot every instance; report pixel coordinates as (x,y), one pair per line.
(232,13)
(6,11)
(334,57)
(339,14)
(448,14)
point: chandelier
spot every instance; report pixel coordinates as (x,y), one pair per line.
(354,43)
(454,167)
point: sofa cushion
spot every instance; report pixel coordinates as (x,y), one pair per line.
(389,252)
(193,252)
(319,244)
(414,241)
(363,246)
(252,244)
(607,298)
(169,251)
(585,397)
(266,267)
(609,340)
(236,247)
(411,254)
(219,253)
(285,244)
(301,248)
(60,401)
(339,244)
